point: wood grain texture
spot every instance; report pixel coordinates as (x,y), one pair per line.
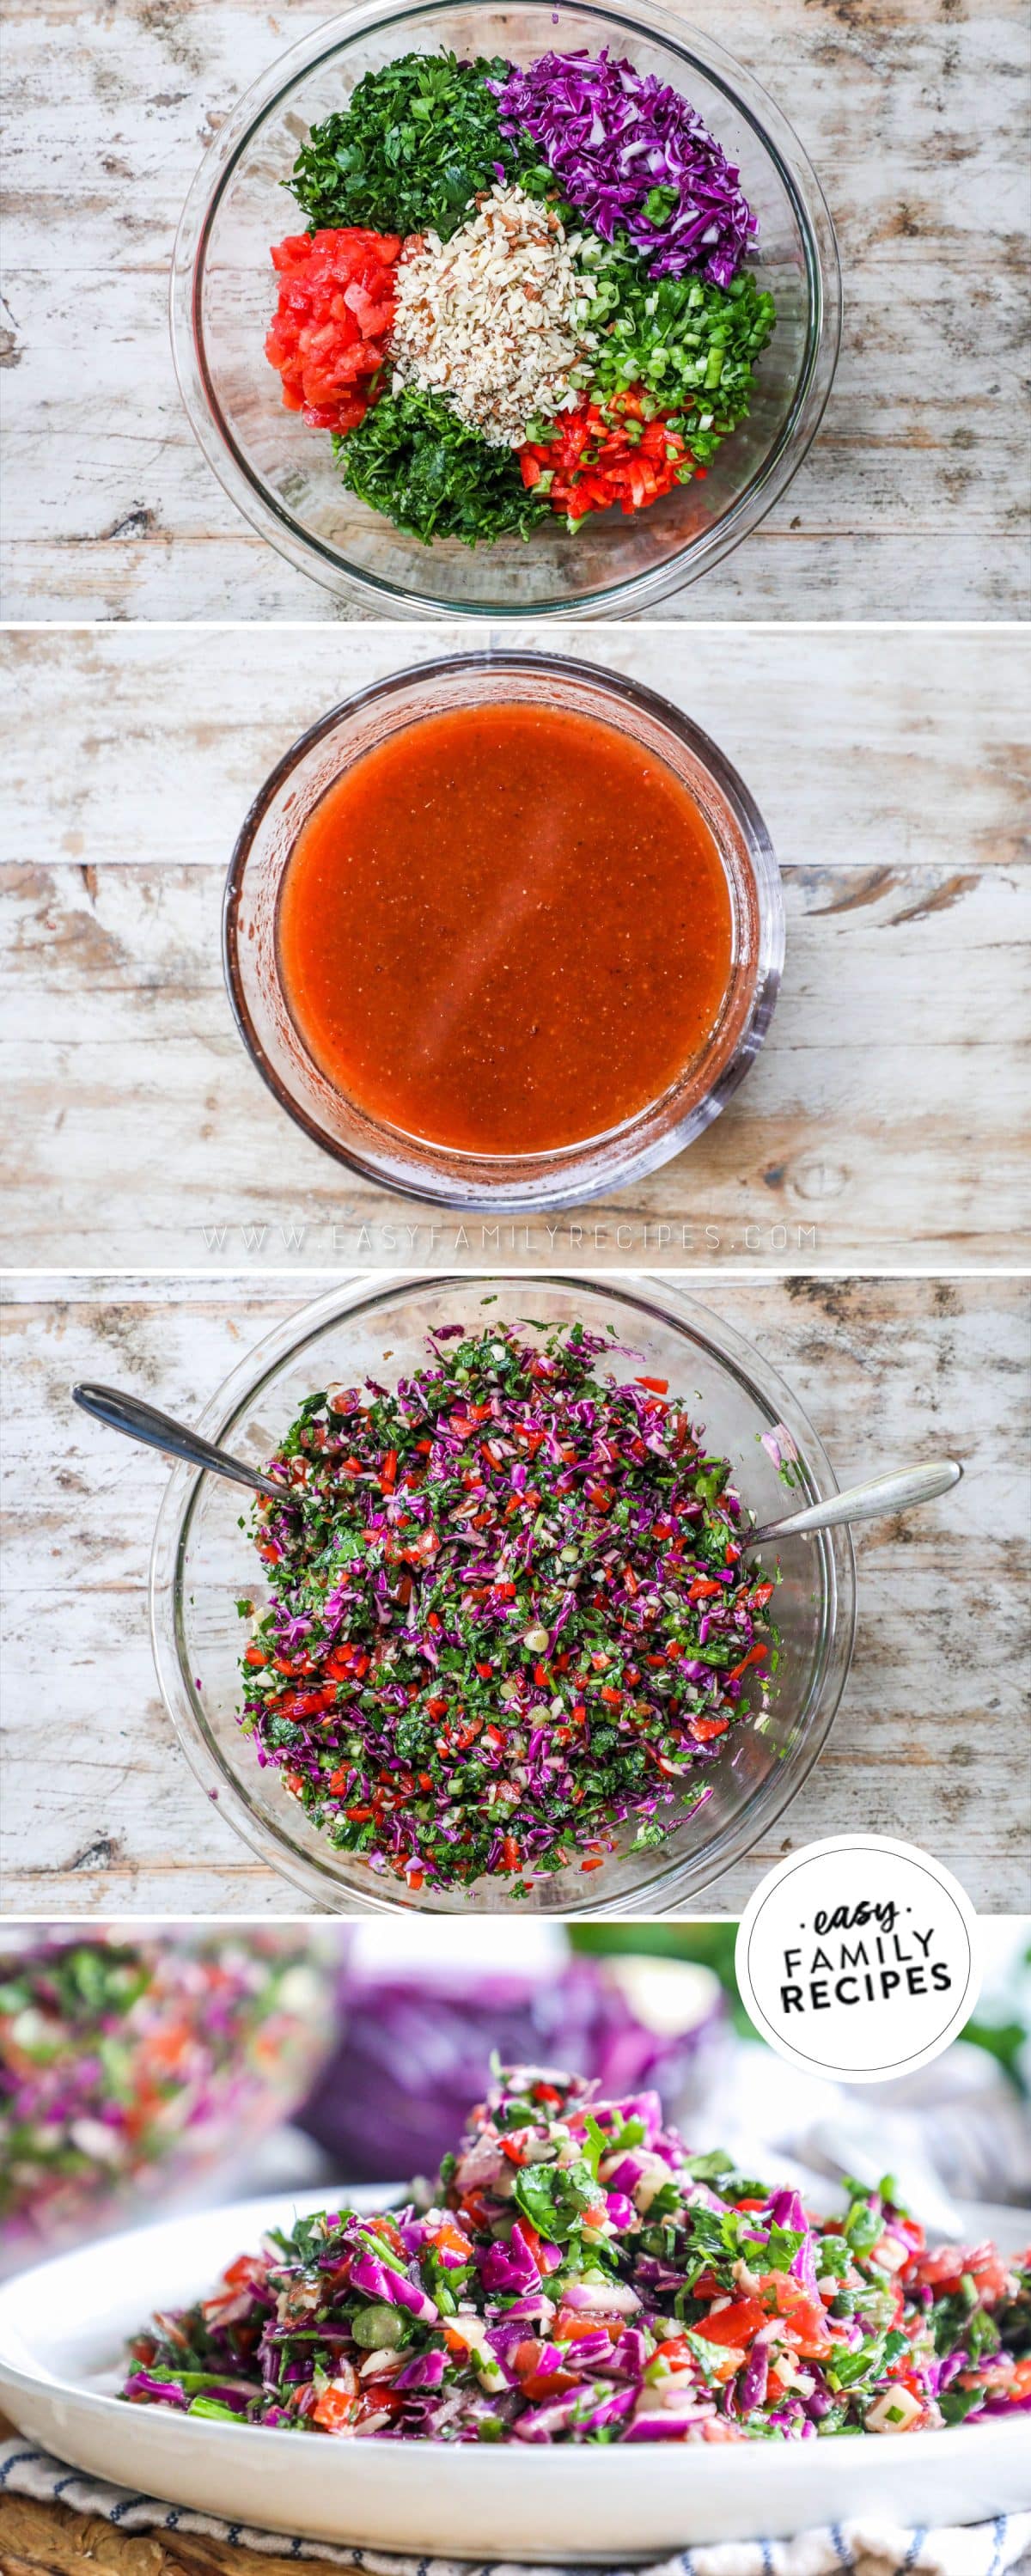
(884,1123)
(929,1743)
(55,2540)
(910,504)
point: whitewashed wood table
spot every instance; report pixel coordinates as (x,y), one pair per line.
(100,1808)
(884,1123)
(910,504)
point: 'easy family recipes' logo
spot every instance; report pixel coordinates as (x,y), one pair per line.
(857,1958)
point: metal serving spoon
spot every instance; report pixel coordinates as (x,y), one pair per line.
(141,1421)
(894,1493)
(156,1430)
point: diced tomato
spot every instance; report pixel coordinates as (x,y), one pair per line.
(547,2257)
(571,2327)
(806,2327)
(310,1703)
(548,2383)
(657,1385)
(328,338)
(534,2382)
(446,2233)
(736,2324)
(990,2276)
(375,2402)
(944,2269)
(338,2403)
(914,2236)
(255,1656)
(383,2226)
(474,2208)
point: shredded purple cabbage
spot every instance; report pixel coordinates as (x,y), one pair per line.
(633,157)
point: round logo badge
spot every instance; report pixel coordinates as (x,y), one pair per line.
(858,1958)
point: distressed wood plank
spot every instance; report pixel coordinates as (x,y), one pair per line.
(882,1124)
(910,503)
(55,2540)
(886,1134)
(926,1742)
(863,749)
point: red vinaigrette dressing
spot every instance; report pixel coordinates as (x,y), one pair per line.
(505,929)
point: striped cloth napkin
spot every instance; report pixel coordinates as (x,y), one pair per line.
(870,2545)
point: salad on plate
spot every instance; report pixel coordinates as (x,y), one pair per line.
(574,2276)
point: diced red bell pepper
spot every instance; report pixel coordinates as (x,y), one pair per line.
(756,1655)
(597,457)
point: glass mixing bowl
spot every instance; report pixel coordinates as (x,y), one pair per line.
(281,474)
(515,1183)
(203,1562)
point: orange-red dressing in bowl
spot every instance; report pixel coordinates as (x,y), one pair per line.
(505,930)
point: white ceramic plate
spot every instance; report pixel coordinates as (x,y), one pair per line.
(64,2324)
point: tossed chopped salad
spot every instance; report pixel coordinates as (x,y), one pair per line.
(509,1612)
(522,292)
(129,2062)
(575,2276)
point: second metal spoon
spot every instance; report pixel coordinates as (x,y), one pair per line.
(894,1493)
